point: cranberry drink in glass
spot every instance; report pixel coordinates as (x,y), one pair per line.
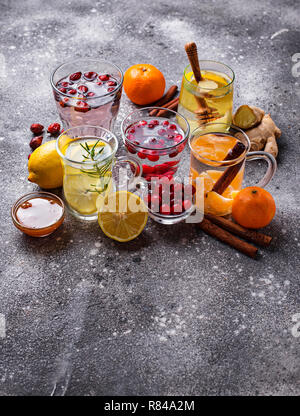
(157,142)
(87,92)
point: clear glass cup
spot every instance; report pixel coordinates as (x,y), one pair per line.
(81,109)
(209,146)
(89,175)
(162,157)
(213,101)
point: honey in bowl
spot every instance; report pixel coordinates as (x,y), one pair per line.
(38,214)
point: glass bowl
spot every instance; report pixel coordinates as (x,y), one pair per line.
(42,231)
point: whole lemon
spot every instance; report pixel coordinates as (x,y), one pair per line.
(44,166)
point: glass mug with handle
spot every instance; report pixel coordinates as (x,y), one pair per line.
(211,155)
(90,168)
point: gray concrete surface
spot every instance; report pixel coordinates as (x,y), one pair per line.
(173,312)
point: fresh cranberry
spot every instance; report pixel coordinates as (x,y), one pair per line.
(154,122)
(54,128)
(180,148)
(173,127)
(141,155)
(35,142)
(90,94)
(153,157)
(82,107)
(131,149)
(162,132)
(72,91)
(150,126)
(104,77)
(132,130)
(170,136)
(165,123)
(110,89)
(173,154)
(62,90)
(187,203)
(99,83)
(90,75)
(143,123)
(83,88)
(36,128)
(147,169)
(153,140)
(63,102)
(112,83)
(64,84)
(178,138)
(165,209)
(75,76)
(130,137)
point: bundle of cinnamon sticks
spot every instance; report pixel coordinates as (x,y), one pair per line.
(226,231)
(167,101)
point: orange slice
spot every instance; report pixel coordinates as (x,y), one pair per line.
(217,204)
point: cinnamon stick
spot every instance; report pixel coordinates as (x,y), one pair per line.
(191,51)
(226,237)
(172,106)
(255,237)
(165,99)
(230,173)
(203,109)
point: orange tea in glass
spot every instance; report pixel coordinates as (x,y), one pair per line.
(211,151)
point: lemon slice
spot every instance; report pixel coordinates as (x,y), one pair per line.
(217,204)
(80,191)
(122,216)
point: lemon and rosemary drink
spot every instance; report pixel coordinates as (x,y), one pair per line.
(209,100)
(87,155)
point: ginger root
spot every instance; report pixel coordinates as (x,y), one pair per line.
(248,116)
(263,135)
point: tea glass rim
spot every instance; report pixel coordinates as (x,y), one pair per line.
(95,96)
(214,62)
(186,133)
(220,162)
(35,194)
(85,163)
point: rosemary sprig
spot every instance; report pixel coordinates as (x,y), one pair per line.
(91,152)
(97,171)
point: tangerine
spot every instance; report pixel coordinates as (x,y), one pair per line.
(144,84)
(253,207)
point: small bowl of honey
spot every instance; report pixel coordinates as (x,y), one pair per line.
(38,214)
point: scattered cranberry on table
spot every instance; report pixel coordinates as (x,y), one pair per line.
(36,128)
(35,142)
(54,129)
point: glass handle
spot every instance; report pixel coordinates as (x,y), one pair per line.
(272,165)
(126,173)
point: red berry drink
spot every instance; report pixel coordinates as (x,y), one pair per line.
(157,142)
(87,92)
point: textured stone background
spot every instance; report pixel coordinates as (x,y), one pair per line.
(173,312)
